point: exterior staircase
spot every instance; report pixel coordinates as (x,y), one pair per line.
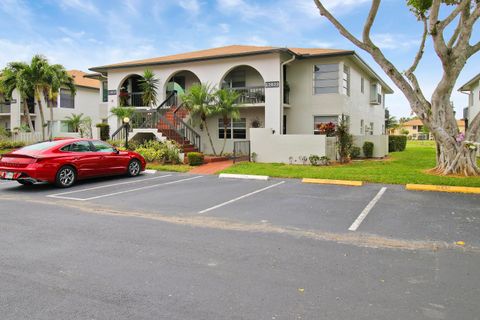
(173,127)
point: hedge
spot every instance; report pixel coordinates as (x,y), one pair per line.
(104,131)
(397,143)
(11,144)
(368,149)
(195,158)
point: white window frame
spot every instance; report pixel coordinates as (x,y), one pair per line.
(335,88)
(231,127)
(346,72)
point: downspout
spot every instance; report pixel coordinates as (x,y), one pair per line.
(468,107)
(282,89)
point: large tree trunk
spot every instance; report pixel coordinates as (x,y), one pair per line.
(456,158)
(27,115)
(42,117)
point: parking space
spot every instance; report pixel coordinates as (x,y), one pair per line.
(384,210)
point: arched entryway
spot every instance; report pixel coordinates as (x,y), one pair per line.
(179,82)
(130,93)
(247,81)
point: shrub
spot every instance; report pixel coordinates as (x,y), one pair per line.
(104,131)
(7,144)
(368,149)
(355,152)
(314,160)
(345,140)
(154,150)
(324,161)
(195,158)
(397,143)
(4,133)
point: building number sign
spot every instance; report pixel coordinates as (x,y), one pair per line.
(272,84)
(112,92)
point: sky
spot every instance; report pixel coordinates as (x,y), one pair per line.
(85,33)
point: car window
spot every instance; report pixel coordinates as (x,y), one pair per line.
(42,145)
(102,146)
(79,146)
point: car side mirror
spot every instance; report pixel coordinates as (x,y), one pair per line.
(116,151)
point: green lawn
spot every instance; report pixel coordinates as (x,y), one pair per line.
(169,167)
(401,168)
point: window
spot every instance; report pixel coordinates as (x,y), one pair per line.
(371,128)
(325,78)
(42,145)
(414,127)
(362,126)
(236,79)
(324,125)
(346,80)
(236,129)
(104,91)
(103,147)
(79,146)
(67,99)
(362,85)
(65,126)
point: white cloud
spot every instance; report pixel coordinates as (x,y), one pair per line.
(191,6)
(18,10)
(337,7)
(321,44)
(225,28)
(390,41)
(85,6)
(71,33)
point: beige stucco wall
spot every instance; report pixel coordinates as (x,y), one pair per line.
(380,143)
(474,102)
(212,72)
(282,148)
(305,104)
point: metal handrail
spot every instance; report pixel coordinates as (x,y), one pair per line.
(118,130)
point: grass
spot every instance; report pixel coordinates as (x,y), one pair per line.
(409,166)
(169,167)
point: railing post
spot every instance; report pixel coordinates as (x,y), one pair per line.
(126,135)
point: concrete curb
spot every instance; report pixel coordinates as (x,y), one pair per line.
(150,171)
(336,182)
(243,176)
(436,188)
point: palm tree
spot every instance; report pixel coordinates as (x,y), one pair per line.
(149,87)
(56,78)
(16,76)
(226,106)
(74,121)
(198,100)
(39,69)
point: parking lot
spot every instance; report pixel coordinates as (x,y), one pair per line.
(391,211)
(276,249)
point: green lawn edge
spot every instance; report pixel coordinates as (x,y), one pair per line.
(405,167)
(169,167)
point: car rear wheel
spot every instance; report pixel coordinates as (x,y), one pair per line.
(134,168)
(66,177)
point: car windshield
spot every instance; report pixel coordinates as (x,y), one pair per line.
(42,146)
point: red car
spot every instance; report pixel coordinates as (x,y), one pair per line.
(65,161)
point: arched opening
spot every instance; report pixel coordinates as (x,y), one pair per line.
(130,93)
(179,82)
(248,82)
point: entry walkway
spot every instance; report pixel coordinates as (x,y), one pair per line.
(212,167)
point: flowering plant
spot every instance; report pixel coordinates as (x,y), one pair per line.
(327,129)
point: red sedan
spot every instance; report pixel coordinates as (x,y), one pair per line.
(65,161)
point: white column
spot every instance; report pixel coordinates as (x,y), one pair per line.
(15,111)
(273,109)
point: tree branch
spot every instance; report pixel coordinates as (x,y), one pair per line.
(421,49)
(369,22)
(455,34)
(444,23)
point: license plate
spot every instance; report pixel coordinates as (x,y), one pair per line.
(9,175)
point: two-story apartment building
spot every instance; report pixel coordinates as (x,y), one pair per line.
(472,89)
(284,91)
(85,102)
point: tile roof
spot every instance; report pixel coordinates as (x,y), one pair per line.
(222,52)
(80,79)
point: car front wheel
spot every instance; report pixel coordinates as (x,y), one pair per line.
(134,168)
(66,177)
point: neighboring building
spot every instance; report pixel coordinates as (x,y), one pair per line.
(415,129)
(472,88)
(85,101)
(289,92)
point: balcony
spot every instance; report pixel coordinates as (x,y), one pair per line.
(250,95)
(131,99)
(5,108)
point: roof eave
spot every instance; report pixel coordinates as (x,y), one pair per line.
(103,69)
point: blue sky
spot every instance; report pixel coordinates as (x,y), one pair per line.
(85,33)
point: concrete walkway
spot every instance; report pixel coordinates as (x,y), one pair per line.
(212,167)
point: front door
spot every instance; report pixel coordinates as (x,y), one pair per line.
(284,124)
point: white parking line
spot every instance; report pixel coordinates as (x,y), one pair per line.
(124,191)
(107,186)
(367,209)
(241,197)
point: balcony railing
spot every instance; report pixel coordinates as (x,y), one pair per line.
(5,108)
(131,99)
(250,95)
